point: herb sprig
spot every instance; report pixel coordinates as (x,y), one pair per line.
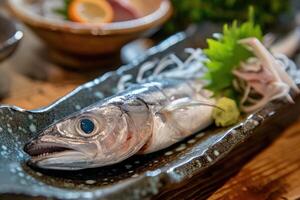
(225,54)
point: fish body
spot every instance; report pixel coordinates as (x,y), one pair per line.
(142,119)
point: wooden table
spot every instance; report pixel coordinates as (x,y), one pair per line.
(273,174)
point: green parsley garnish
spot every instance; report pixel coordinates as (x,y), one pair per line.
(225,54)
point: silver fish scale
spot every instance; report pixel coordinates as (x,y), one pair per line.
(157,94)
(142,119)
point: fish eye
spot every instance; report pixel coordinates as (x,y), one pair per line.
(87,126)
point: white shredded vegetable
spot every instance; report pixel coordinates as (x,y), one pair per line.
(170,66)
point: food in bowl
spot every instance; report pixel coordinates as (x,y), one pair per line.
(80,45)
(90,11)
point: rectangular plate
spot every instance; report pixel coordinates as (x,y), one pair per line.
(192,168)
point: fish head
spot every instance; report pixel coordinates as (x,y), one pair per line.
(95,137)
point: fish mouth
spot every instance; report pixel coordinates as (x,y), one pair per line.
(41,151)
(55,156)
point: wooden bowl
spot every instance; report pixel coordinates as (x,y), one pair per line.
(73,42)
(10,36)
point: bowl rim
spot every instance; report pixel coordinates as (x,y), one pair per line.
(153,19)
(15,37)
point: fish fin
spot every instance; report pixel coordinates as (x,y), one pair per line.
(168,113)
(184,103)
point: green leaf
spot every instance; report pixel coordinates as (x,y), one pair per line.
(226,54)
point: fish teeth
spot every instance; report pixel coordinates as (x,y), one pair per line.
(43,155)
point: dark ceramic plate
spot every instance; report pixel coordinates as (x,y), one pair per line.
(203,160)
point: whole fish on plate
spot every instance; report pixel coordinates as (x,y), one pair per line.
(144,118)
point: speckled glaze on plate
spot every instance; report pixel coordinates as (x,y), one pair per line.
(192,168)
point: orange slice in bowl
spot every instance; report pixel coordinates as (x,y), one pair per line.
(90,11)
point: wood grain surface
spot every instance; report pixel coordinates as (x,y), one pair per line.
(273,174)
